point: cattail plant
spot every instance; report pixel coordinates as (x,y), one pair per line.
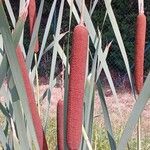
(76,86)
(32,17)
(139,59)
(31,101)
(60,125)
(139,50)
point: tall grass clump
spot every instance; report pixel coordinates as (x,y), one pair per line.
(76,86)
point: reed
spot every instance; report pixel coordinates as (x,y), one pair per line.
(76,86)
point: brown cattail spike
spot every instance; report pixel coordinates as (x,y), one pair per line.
(32,17)
(139,51)
(31,101)
(76,86)
(60,125)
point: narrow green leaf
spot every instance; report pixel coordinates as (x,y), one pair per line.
(46,32)
(135,114)
(93,7)
(19,120)
(11,13)
(118,37)
(3,69)
(106,116)
(3,140)
(34,36)
(53,64)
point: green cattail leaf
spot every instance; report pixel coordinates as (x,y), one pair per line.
(17,33)
(73,9)
(11,13)
(47,29)
(4,111)
(60,52)
(93,7)
(58,27)
(3,140)
(106,116)
(16,145)
(49,47)
(53,64)
(135,114)
(43,95)
(100,67)
(6,128)
(119,38)
(34,36)
(16,72)
(88,109)
(3,69)
(19,119)
(89,91)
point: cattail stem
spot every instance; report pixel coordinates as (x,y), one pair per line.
(76,86)
(37,84)
(139,59)
(141,6)
(82,12)
(86,138)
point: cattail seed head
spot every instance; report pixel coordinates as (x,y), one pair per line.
(31,101)
(139,51)
(32,17)
(60,125)
(76,86)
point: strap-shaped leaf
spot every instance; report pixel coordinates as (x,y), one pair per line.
(106,116)
(48,25)
(135,114)
(3,140)
(16,72)
(34,36)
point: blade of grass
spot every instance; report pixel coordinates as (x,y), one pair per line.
(49,48)
(11,13)
(99,61)
(106,116)
(48,25)
(3,69)
(135,114)
(53,64)
(19,118)
(3,140)
(119,38)
(34,36)
(89,101)
(93,7)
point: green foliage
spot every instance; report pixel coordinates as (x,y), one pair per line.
(19,130)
